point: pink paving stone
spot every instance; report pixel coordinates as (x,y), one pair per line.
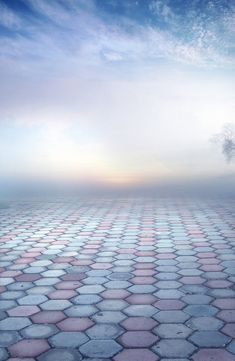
(28,277)
(229,329)
(138,339)
(206,255)
(23,311)
(32,254)
(75,324)
(228,315)
(169,304)
(139,324)
(74,277)
(225,303)
(68,285)
(136,355)
(10,273)
(165,256)
(218,284)
(144,272)
(21,359)
(115,293)
(210,354)
(192,280)
(24,260)
(62,294)
(145,254)
(143,299)
(48,317)
(28,348)
(143,280)
(83,262)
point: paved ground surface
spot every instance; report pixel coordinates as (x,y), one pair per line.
(122,280)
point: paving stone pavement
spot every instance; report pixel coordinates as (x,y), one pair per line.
(123,279)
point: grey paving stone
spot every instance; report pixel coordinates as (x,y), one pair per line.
(86,299)
(104,331)
(142,289)
(205,323)
(39,331)
(100,348)
(172,330)
(55,305)
(201,310)
(231,347)
(171,316)
(209,339)
(61,355)
(14,323)
(32,300)
(197,299)
(3,354)
(68,339)
(140,310)
(8,338)
(115,305)
(109,317)
(174,348)
(80,311)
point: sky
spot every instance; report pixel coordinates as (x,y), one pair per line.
(116,91)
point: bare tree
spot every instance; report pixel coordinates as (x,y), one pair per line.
(226,139)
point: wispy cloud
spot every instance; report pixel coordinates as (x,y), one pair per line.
(76,31)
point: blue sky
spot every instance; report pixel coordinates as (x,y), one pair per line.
(116,90)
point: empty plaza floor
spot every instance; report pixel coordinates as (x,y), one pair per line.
(123,279)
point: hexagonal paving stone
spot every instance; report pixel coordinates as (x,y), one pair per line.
(136,355)
(23,311)
(80,311)
(32,300)
(39,331)
(140,310)
(61,355)
(209,339)
(100,348)
(68,339)
(229,329)
(213,354)
(172,330)
(132,339)
(200,310)
(14,323)
(8,338)
(104,331)
(109,316)
(174,348)
(28,348)
(75,324)
(139,323)
(55,305)
(109,305)
(205,323)
(171,316)
(48,317)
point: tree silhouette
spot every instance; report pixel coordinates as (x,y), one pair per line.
(226,139)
